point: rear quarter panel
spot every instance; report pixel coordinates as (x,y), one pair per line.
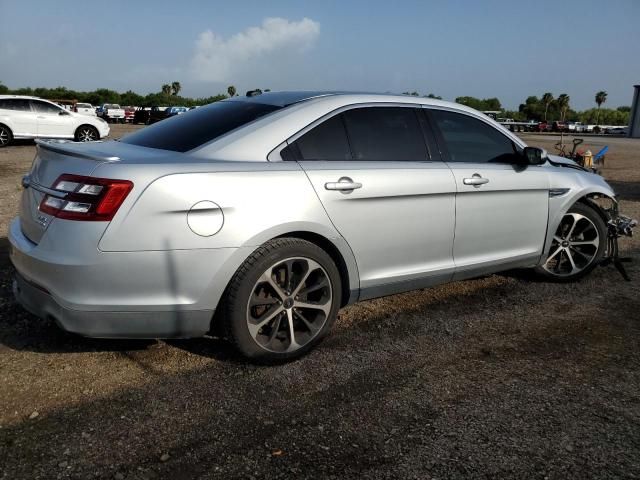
(259,201)
(255,205)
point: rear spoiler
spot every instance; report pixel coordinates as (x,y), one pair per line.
(65,147)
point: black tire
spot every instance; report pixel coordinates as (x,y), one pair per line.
(595,252)
(235,303)
(6,136)
(86,133)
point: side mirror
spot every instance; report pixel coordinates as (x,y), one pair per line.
(535,155)
(63,112)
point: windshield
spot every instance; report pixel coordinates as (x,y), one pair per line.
(182,133)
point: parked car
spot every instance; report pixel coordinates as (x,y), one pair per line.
(558,126)
(259,217)
(111,112)
(576,127)
(149,115)
(85,109)
(32,117)
(617,130)
(172,111)
(129,114)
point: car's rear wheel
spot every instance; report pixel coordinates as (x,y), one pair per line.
(282,301)
(578,245)
(87,133)
(5,136)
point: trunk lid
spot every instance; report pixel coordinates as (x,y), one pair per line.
(55,157)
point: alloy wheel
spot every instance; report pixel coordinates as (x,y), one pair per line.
(574,246)
(87,135)
(289,305)
(4,137)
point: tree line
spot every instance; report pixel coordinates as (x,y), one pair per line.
(547,107)
(169,96)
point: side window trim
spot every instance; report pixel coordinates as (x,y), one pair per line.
(437,134)
(442,145)
(346,133)
(289,143)
(429,135)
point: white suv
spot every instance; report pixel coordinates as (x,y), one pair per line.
(32,117)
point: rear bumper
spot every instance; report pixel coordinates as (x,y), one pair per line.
(157,324)
(148,294)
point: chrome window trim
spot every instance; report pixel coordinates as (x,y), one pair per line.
(275,156)
(486,120)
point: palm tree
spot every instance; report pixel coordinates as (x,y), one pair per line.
(175,88)
(231,90)
(563,104)
(547,99)
(166,89)
(601,97)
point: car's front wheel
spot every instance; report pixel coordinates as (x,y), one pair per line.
(282,301)
(578,245)
(87,133)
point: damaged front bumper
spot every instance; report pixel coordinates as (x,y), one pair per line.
(618,225)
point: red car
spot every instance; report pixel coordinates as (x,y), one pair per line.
(129,113)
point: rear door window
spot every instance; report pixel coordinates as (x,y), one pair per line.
(385,134)
(327,141)
(468,139)
(16,104)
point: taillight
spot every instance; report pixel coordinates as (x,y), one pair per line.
(86,198)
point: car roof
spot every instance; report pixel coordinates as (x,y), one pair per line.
(287,98)
(23,97)
(300,109)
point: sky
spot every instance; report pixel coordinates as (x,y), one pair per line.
(484,48)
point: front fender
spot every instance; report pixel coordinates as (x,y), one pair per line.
(578,186)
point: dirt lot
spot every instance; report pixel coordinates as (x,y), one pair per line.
(496,377)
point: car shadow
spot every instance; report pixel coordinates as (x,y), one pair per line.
(22,143)
(211,347)
(20,330)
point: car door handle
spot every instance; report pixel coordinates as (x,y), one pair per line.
(41,117)
(476,180)
(345,184)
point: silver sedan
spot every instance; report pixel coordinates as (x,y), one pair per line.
(258,217)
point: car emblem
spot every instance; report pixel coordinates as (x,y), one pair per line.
(42,220)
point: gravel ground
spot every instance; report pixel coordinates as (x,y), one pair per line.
(496,377)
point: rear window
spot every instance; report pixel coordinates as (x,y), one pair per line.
(197,127)
(19,104)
